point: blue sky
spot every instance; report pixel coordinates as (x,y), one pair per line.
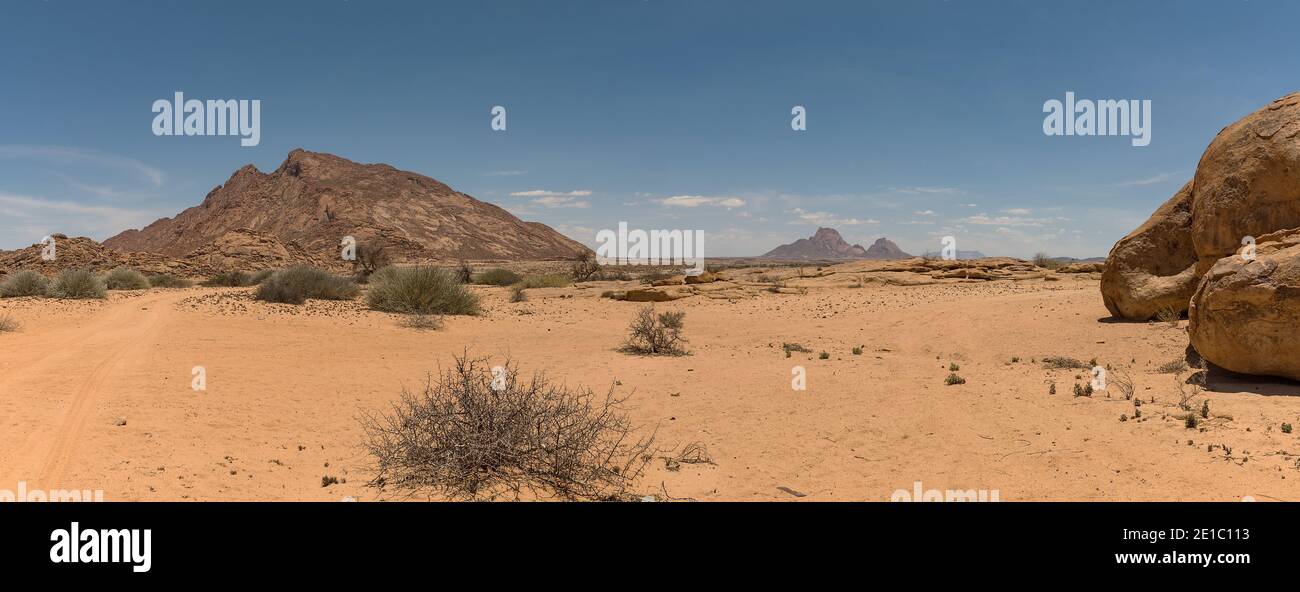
(924,117)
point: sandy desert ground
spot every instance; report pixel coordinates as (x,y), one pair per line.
(96,394)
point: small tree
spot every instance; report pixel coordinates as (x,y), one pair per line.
(370,258)
(584,267)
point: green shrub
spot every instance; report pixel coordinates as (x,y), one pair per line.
(24,283)
(260,276)
(497,277)
(421,289)
(954,379)
(167,280)
(550,280)
(857,350)
(229,279)
(125,278)
(296,284)
(76,284)
(824,356)
(1286,428)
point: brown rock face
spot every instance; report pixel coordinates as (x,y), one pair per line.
(1245,313)
(1248,181)
(316,199)
(1154,267)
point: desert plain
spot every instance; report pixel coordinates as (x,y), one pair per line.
(98,394)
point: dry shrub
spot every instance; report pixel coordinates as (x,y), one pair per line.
(421,322)
(1169,315)
(1045,261)
(420,289)
(370,258)
(167,280)
(77,284)
(7,324)
(517,294)
(464,273)
(475,433)
(24,283)
(296,284)
(1062,362)
(125,278)
(656,335)
(229,279)
(497,276)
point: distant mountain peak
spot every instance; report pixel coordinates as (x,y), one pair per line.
(827,243)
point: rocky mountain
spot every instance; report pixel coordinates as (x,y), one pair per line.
(826,243)
(314,200)
(885,249)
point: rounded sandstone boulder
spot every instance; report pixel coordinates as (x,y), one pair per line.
(1154,267)
(1246,311)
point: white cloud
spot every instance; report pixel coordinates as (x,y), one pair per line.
(803,216)
(694,201)
(983,219)
(545,193)
(924,213)
(561,201)
(1017,211)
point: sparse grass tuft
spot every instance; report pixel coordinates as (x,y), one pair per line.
(953,379)
(656,335)
(296,284)
(953,367)
(167,280)
(476,433)
(1175,366)
(497,276)
(517,293)
(260,276)
(24,283)
(420,289)
(77,284)
(421,322)
(1169,315)
(1061,362)
(8,324)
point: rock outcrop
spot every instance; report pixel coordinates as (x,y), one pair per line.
(1154,267)
(249,250)
(1245,313)
(85,253)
